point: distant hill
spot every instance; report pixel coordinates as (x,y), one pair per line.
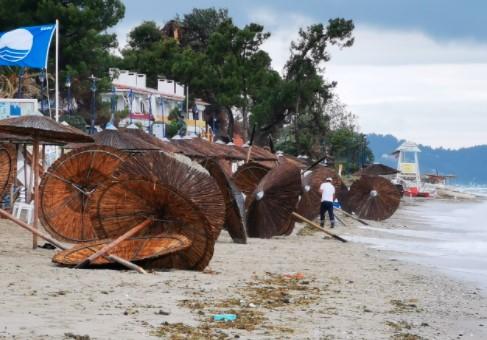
(468,164)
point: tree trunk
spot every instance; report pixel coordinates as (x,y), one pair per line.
(245,124)
(230,123)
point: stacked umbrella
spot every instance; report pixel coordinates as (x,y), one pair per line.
(162,210)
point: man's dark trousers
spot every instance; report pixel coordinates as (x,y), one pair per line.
(327,206)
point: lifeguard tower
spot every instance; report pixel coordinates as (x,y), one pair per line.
(408,165)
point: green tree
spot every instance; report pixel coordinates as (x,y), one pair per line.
(84,42)
(222,63)
(299,100)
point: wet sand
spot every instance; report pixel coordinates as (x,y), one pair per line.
(340,291)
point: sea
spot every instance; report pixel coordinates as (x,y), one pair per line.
(448,236)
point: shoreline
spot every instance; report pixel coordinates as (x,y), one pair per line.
(303,287)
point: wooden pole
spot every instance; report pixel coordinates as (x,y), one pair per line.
(312,224)
(354,217)
(24,225)
(114,243)
(35,166)
(31,229)
(340,220)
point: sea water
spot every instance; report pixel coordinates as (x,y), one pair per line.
(448,236)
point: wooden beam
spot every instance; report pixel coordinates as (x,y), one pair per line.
(312,224)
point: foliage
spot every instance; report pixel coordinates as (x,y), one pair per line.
(175,114)
(350,148)
(221,63)
(76,121)
(199,25)
(175,127)
(84,42)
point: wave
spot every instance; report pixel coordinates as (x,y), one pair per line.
(12,55)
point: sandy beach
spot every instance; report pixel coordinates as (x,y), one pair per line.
(296,287)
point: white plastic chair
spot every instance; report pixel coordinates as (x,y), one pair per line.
(20,206)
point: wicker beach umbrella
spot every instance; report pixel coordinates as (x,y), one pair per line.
(376,170)
(118,139)
(373,198)
(309,205)
(148,138)
(234,201)
(8,164)
(259,153)
(248,176)
(188,150)
(66,188)
(41,129)
(273,201)
(176,194)
(137,249)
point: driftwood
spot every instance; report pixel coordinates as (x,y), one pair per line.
(312,224)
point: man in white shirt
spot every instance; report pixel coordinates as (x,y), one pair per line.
(327,191)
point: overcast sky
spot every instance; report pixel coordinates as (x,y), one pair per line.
(417,70)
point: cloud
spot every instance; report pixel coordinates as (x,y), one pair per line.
(284,28)
(402,82)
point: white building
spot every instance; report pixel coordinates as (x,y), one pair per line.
(147,106)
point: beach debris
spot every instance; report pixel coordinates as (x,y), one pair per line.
(70,335)
(234,202)
(373,198)
(224,317)
(67,186)
(273,201)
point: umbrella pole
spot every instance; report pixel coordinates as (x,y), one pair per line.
(351,216)
(35,161)
(103,251)
(312,224)
(24,225)
(31,229)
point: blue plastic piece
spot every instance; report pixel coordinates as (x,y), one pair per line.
(224,317)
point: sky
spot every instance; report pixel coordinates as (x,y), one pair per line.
(417,70)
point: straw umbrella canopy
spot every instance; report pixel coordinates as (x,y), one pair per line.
(66,188)
(8,164)
(176,194)
(309,205)
(248,176)
(188,150)
(142,135)
(234,201)
(43,129)
(373,198)
(118,139)
(272,203)
(376,170)
(138,250)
